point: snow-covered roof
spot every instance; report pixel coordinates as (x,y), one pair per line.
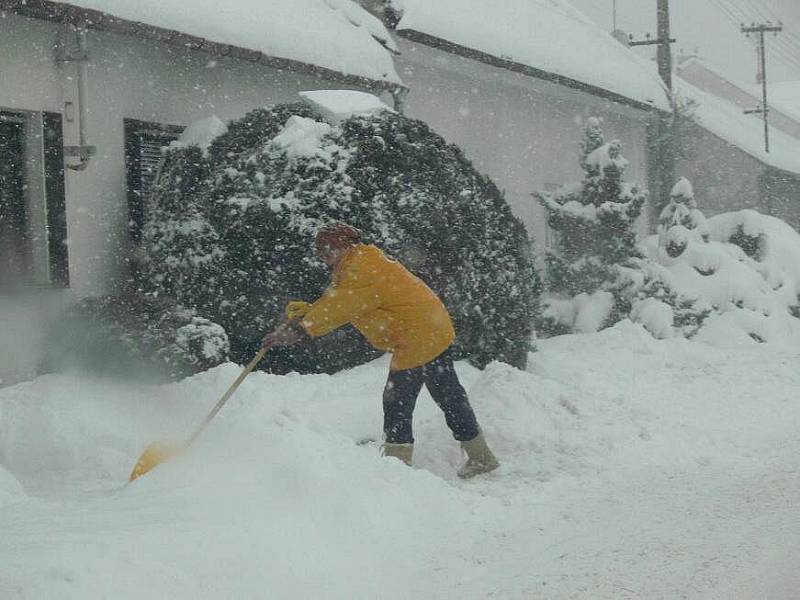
(338,35)
(785,96)
(547,35)
(728,122)
(714,68)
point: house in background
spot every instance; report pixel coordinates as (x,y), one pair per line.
(83,84)
(728,165)
(783,99)
(512,84)
(91,90)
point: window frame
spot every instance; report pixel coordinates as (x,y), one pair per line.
(135,132)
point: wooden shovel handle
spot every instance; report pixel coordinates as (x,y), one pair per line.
(256,359)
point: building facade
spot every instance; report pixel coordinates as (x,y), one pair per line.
(520,128)
(87,100)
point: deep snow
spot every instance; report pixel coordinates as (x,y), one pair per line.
(632,468)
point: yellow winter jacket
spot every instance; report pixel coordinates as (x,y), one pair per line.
(392,308)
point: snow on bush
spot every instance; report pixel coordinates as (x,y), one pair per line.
(201,133)
(747,273)
(681,220)
(202,342)
(230,231)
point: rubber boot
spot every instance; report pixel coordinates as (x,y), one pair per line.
(402,451)
(479,458)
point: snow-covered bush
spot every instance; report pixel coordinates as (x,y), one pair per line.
(681,220)
(750,291)
(264,187)
(593,223)
(124,335)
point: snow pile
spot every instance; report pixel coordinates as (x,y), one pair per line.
(585,312)
(202,338)
(280,494)
(754,295)
(334,34)
(550,35)
(303,137)
(338,105)
(201,133)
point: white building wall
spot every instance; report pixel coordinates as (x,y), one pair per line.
(521,131)
(128,78)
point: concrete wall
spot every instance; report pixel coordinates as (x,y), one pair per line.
(521,131)
(127,78)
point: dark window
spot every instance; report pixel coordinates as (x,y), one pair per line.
(144,143)
(14,255)
(55,201)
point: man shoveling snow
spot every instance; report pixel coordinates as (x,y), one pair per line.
(397,313)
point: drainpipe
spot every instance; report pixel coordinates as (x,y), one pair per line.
(75,49)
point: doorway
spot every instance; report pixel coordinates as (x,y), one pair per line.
(14,255)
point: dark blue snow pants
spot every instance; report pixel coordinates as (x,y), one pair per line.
(400,397)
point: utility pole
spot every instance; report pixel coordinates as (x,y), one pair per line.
(614,15)
(664,52)
(764,110)
(663,145)
(663,40)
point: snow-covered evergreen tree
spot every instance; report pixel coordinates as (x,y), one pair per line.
(278,174)
(593,222)
(681,220)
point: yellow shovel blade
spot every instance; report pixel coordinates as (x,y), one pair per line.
(154,455)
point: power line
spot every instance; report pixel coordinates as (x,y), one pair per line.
(727,11)
(759,14)
(759,4)
(789,40)
(788,54)
(785,51)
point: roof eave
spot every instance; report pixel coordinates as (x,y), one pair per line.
(60,12)
(516,67)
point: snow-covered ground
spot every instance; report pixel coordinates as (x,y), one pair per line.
(632,468)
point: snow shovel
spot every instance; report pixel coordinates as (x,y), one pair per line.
(159,452)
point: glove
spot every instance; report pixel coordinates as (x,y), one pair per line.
(297,309)
(284,335)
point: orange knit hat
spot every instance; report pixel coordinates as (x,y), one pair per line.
(337,235)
